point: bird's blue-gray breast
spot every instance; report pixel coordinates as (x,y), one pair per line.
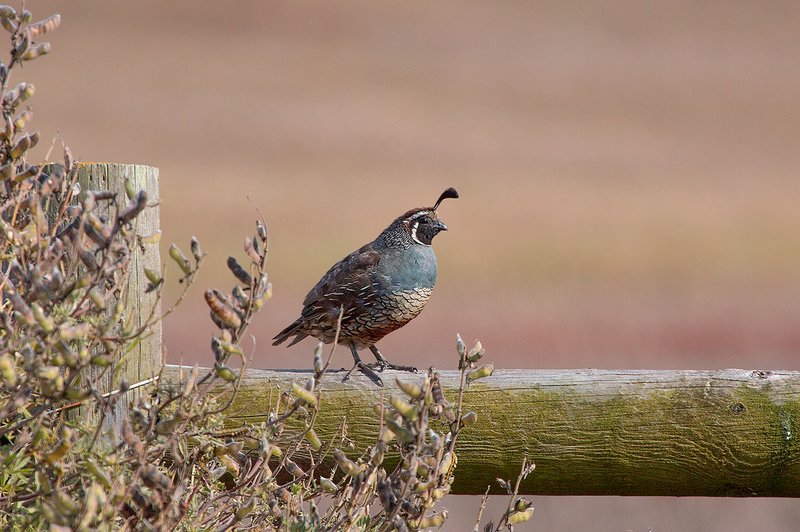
(403,282)
(408,269)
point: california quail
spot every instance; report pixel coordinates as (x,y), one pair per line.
(378,289)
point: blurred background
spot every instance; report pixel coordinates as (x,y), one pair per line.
(628,176)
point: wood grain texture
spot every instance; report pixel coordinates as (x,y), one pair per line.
(144,360)
(592,432)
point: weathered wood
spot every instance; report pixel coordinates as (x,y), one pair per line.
(144,360)
(593,432)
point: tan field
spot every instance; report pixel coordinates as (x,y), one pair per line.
(628,175)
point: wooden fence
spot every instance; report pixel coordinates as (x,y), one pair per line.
(590,432)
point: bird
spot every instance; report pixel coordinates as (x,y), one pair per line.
(374,290)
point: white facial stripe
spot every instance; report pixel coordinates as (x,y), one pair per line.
(414,233)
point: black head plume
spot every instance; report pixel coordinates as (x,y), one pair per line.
(447,194)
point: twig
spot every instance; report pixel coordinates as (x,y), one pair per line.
(482,508)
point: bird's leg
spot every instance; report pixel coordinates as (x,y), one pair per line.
(382,363)
(363,368)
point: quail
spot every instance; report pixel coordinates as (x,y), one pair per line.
(376,289)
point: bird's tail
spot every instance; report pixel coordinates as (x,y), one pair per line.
(291,330)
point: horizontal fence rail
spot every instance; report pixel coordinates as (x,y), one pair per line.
(590,432)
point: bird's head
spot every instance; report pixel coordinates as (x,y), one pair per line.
(423,224)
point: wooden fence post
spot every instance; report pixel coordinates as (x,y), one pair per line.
(145,359)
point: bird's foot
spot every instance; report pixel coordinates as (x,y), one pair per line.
(383,364)
(366,370)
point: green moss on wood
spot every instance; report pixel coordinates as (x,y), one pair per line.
(686,433)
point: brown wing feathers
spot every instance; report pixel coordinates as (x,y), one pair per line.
(344,282)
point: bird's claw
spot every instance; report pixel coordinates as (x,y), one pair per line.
(366,370)
(382,365)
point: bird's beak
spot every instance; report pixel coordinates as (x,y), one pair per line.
(440,226)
